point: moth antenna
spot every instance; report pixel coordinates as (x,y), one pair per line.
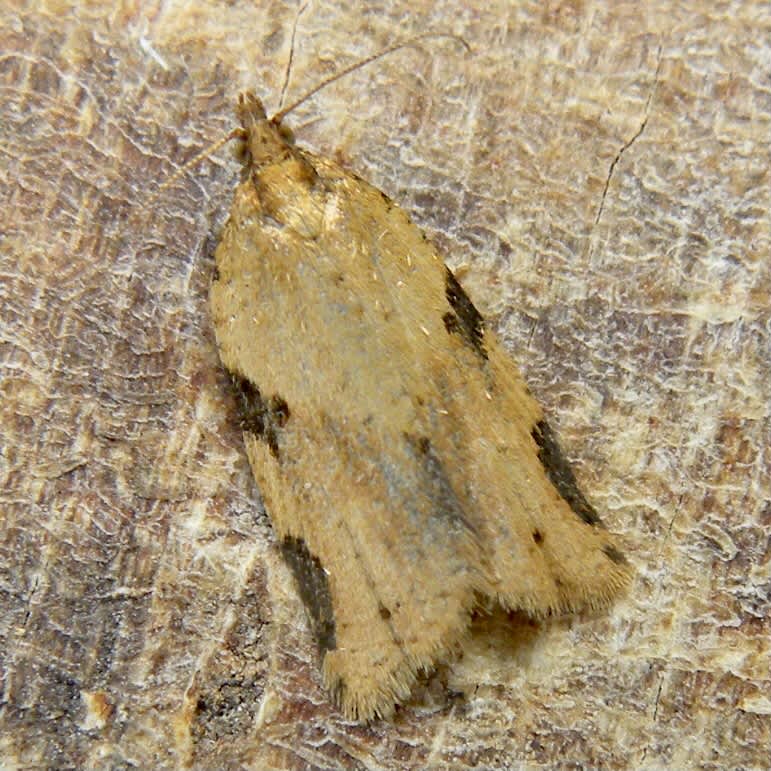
(281,114)
(205,153)
(291,55)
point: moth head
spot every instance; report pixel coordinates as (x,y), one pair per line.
(263,141)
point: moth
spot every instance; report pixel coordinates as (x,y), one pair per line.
(407,470)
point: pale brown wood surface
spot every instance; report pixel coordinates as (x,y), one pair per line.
(599,176)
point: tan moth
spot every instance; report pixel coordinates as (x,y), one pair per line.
(406,468)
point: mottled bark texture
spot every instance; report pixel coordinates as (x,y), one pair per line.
(598,177)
